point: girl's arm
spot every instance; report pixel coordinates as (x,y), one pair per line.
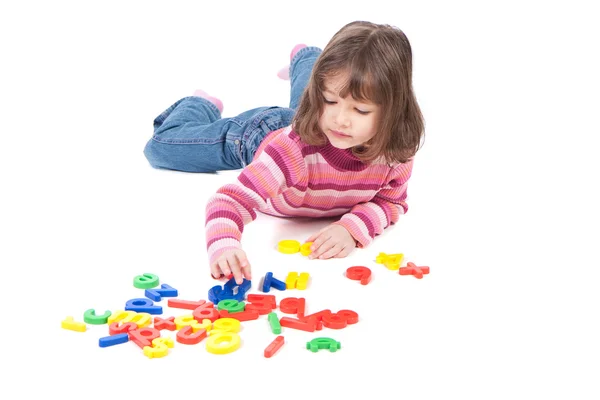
(367,220)
(278,167)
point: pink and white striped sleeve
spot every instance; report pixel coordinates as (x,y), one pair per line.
(278,167)
(367,220)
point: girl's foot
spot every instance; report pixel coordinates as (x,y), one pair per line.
(218,103)
(284,73)
(296,49)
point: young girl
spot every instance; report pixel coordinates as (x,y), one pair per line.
(344,147)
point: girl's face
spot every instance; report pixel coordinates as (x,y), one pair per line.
(345,121)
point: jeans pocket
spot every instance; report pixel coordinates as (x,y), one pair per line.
(270,120)
(238,148)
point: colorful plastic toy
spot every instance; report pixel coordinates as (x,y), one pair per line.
(223,342)
(359,273)
(302,281)
(164,291)
(391,261)
(323,343)
(303,325)
(274,323)
(213,294)
(202,313)
(145,281)
(412,269)
(293,305)
(189,335)
(296,281)
(223,276)
(188,304)
(120,315)
(141,319)
(206,324)
(91,318)
(227,325)
(230,290)
(316,318)
(334,321)
(288,246)
(305,248)
(246,315)
(143,337)
(269,282)
(290,280)
(186,320)
(274,346)
(160,347)
(117,328)
(161,323)
(113,340)
(277,284)
(143,305)
(70,324)
(231,305)
(350,316)
(262,303)
(266,283)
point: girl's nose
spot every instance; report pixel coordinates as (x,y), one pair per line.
(342,118)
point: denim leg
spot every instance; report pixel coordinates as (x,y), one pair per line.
(191,136)
(300,70)
(257,124)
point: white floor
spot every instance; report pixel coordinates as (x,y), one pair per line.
(503,202)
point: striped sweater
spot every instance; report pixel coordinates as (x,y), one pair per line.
(289,178)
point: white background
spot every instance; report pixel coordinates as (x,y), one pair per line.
(503,202)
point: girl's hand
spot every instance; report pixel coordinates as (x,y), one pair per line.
(332,241)
(234,262)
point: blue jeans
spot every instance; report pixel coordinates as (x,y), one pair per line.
(191,136)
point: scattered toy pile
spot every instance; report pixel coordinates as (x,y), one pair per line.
(218,319)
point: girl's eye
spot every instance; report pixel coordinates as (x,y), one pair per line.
(362,112)
(328,101)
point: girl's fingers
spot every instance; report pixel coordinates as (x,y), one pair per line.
(232,264)
(224,265)
(242,260)
(314,237)
(316,248)
(322,248)
(333,251)
(246,269)
(215,271)
(345,251)
(235,269)
(246,272)
(244,265)
(237,274)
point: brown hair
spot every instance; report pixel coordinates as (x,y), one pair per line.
(378,61)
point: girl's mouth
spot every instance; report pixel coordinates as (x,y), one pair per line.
(340,134)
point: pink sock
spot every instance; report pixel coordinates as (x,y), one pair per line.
(296,49)
(218,103)
(284,73)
